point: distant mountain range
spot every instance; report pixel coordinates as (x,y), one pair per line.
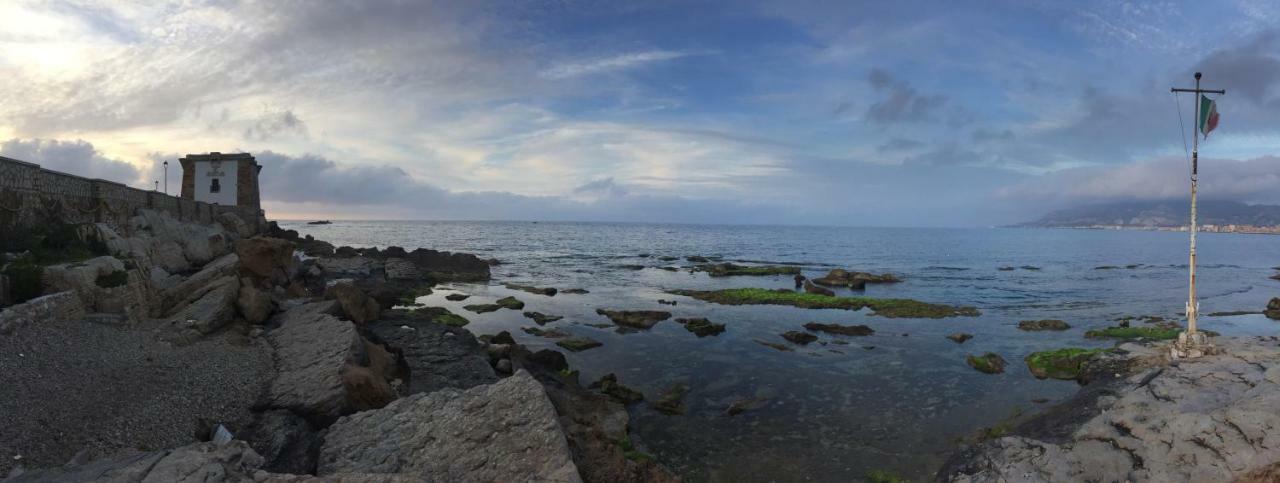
(1159,214)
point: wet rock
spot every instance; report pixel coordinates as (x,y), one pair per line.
(667,258)
(989,363)
(850,330)
(671,400)
(503,366)
(1045,324)
(575,291)
(287,442)
(510,303)
(670,269)
(960,337)
(638,319)
(743,405)
(503,337)
(729,270)
(666,302)
(505,431)
(548,291)
(774,345)
(697,259)
(446,266)
(482,308)
(360,308)
(799,338)
(701,326)
(855,280)
(436,356)
(1273,309)
(456,297)
(578,344)
(631,267)
(541,318)
(550,334)
(552,360)
(809,287)
(1006,269)
(609,385)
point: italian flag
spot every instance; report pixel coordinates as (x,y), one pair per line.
(1208,114)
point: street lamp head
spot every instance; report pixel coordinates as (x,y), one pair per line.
(1197,76)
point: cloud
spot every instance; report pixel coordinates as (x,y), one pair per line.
(1252,181)
(604,187)
(72,157)
(899,144)
(903,103)
(632,60)
(272,124)
(1251,69)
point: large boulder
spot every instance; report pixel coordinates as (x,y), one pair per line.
(235,225)
(226,265)
(266,258)
(206,310)
(84,278)
(58,306)
(207,462)
(855,280)
(323,367)
(506,431)
(360,308)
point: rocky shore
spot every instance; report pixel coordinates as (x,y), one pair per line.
(170,351)
(1142,417)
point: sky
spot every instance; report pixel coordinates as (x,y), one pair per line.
(904,113)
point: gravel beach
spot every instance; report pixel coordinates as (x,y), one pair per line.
(73,385)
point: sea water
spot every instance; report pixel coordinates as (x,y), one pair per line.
(897,400)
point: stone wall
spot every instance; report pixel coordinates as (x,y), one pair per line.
(31,195)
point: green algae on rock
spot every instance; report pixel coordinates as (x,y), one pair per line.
(1153,333)
(510,303)
(579,344)
(541,318)
(701,326)
(548,291)
(441,315)
(892,308)
(1045,324)
(671,401)
(850,330)
(989,363)
(609,385)
(638,319)
(1064,363)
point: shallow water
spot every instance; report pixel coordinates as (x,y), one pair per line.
(896,400)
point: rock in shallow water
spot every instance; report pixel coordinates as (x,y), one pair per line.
(989,363)
(639,319)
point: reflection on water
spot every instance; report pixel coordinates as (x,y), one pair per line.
(839,407)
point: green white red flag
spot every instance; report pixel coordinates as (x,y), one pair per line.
(1208,115)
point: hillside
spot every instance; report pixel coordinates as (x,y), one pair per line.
(1159,214)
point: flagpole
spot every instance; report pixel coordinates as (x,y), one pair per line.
(1192,343)
(1193,308)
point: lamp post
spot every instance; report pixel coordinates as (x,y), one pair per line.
(157,188)
(166,177)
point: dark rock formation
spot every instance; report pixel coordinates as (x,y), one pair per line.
(855,280)
(799,338)
(960,337)
(638,319)
(541,318)
(701,326)
(1045,324)
(852,330)
(548,291)
(1273,309)
(989,363)
(809,287)
(579,344)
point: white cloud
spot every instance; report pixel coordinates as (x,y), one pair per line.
(566,70)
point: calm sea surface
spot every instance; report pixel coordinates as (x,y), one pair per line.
(897,400)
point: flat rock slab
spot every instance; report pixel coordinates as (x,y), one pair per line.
(311,348)
(438,356)
(637,319)
(208,309)
(1207,419)
(506,431)
(200,462)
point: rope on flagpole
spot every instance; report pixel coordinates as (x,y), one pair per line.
(1182,129)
